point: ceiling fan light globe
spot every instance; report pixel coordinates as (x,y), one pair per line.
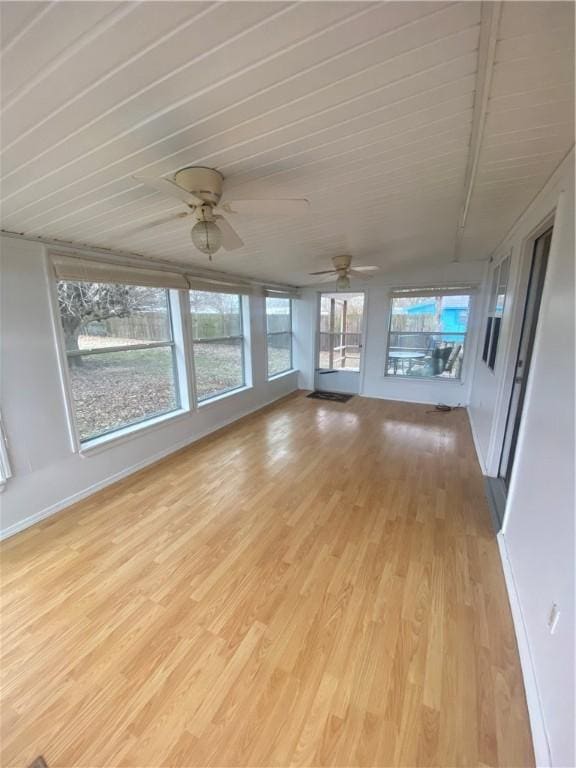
(206,237)
(343,283)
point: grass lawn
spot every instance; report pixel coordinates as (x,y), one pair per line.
(114,389)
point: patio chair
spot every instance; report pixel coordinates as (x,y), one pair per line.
(440,358)
(423,366)
(454,358)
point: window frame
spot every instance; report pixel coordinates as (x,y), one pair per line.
(125,431)
(427,291)
(333,334)
(242,338)
(290,368)
(495,315)
(5,468)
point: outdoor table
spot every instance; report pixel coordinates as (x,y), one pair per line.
(404,354)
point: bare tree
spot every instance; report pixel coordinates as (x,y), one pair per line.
(83,303)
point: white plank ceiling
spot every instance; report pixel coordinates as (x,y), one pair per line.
(366,109)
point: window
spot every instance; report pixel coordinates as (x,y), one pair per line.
(217,342)
(120,351)
(427,335)
(340,341)
(279,335)
(5,471)
(495,312)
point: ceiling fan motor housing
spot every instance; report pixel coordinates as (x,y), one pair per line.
(341,262)
(205,183)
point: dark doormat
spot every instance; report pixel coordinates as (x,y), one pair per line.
(335,397)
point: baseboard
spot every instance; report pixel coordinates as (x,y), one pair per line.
(535,712)
(476,442)
(414,400)
(53,509)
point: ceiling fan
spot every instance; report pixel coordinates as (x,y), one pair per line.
(342,272)
(201,190)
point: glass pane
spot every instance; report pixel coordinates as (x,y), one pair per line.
(279,353)
(219,367)
(341,312)
(502,284)
(340,351)
(278,316)
(96,315)
(494,345)
(425,355)
(113,389)
(419,314)
(494,290)
(487,336)
(215,315)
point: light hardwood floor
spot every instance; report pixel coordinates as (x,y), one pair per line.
(317,584)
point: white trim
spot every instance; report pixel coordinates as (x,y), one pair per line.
(282,374)
(511,331)
(129,432)
(362,371)
(5,468)
(405,399)
(540,739)
(476,442)
(181,350)
(489,27)
(224,395)
(60,345)
(74,498)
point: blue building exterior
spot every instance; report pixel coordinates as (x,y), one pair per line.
(454,315)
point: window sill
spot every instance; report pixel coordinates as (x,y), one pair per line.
(99,444)
(423,379)
(223,396)
(282,374)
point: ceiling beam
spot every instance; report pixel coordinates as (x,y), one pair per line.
(489,26)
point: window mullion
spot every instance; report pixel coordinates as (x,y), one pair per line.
(121,348)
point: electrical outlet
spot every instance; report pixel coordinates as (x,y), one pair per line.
(553,617)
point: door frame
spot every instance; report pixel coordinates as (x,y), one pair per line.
(518,288)
(530,318)
(361,370)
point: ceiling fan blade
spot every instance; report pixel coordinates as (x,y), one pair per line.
(169,188)
(324,272)
(366,269)
(327,279)
(357,273)
(230,239)
(156,223)
(287,207)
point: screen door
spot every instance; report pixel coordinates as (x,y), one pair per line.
(339,342)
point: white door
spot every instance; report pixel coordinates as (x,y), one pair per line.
(339,342)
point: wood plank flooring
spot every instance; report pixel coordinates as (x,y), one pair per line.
(317,584)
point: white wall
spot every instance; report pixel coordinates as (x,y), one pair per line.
(373,381)
(47,474)
(539,527)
